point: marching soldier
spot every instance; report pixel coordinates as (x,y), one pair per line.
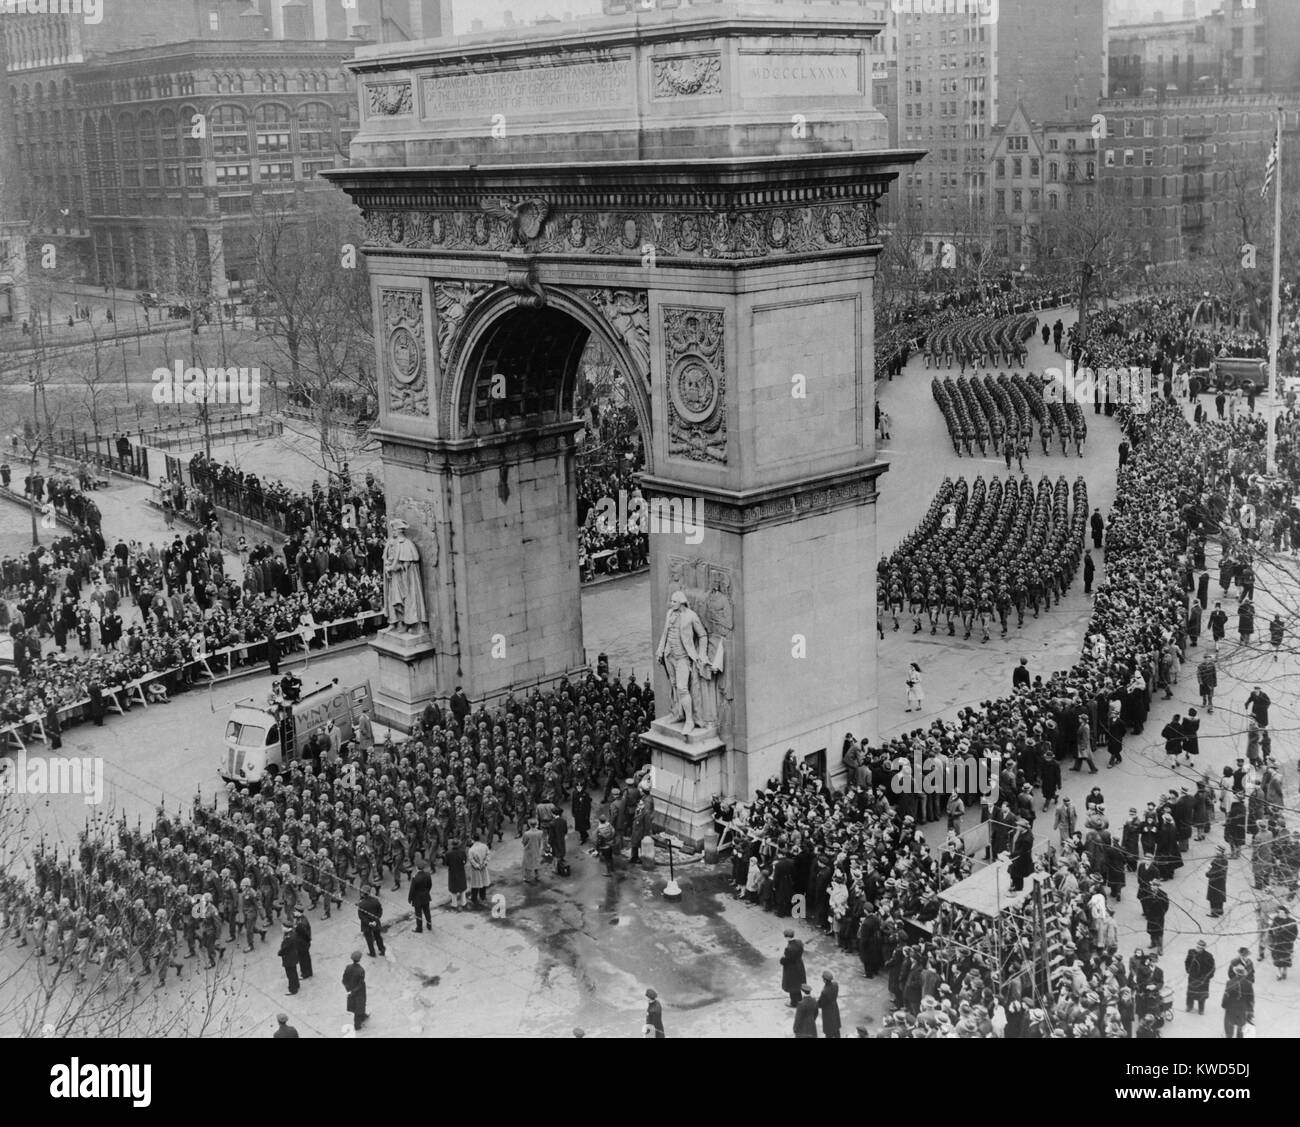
(249,911)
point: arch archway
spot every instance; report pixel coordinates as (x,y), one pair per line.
(501,336)
(494,504)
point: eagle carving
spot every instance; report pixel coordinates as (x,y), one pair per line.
(524,217)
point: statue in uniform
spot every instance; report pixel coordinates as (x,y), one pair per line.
(681,650)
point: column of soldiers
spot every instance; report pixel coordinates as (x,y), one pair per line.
(1018,552)
(132,897)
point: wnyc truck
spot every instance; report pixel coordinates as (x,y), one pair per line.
(260,740)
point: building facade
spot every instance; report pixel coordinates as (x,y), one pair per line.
(1242,47)
(99,123)
(961,76)
(186,146)
(1189,170)
(1038,171)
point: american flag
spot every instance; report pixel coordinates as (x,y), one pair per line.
(1271,164)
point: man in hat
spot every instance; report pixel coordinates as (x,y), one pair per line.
(354,982)
(419,894)
(829,1006)
(805,1014)
(1022,854)
(1199,966)
(1238,1001)
(654,1014)
(302,933)
(369,913)
(793,974)
(289,957)
(283,1028)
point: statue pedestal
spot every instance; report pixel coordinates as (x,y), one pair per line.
(688,773)
(406,677)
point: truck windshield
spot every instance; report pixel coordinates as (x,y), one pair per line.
(246,735)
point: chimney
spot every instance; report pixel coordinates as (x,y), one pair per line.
(253,25)
(297,20)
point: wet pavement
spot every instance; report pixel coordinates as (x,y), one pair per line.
(579,952)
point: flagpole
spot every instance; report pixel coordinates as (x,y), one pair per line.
(1271,441)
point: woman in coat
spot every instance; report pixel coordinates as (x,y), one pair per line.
(1169,857)
(1238,1002)
(480,878)
(454,859)
(1281,939)
(1234,830)
(1216,891)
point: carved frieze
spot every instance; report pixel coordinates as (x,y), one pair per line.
(735,234)
(695,370)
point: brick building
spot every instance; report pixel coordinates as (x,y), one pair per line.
(1037,170)
(1242,47)
(97,120)
(158,198)
(961,77)
(1185,168)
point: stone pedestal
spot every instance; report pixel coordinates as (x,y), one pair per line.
(688,773)
(406,677)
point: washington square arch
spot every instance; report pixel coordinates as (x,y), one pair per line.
(697,188)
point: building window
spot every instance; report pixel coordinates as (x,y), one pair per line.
(1129,157)
(214,21)
(1053,202)
(275,171)
(171,145)
(1053,170)
(1033,166)
(1148,158)
(1017,167)
(315,128)
(999,201)
(228,174)
(272,130)
(1034,199)
(229,132)
(1000,170)
(1017,200)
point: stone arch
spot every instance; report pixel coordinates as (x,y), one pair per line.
(500,332)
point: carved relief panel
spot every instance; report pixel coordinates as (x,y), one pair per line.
(695,370)
(405,361)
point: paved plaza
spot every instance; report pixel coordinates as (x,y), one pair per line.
(579,952)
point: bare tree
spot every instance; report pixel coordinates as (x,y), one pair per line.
(1092,250)
(319,313)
